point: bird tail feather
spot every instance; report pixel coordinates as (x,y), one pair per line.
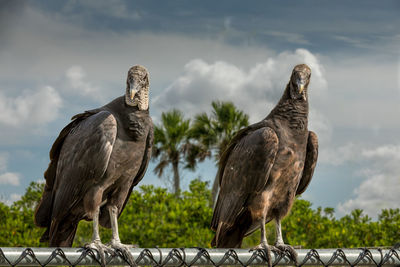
(228,238)
(45,236)
(216,216)
(43,210)
(62,233)
(230,235)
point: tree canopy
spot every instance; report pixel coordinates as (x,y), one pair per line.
(171,140)
(155,217)
(213,132)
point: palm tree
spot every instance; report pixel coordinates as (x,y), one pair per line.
(214,132)
(173,147)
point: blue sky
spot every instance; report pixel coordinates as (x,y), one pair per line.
(58,58)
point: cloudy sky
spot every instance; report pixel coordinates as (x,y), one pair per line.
(58,58)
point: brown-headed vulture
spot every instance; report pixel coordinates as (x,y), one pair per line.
(264,167)
(95,162)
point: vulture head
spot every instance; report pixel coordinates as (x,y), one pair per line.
(137,87)
(299,82)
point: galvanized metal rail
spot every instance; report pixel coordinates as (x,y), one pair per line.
(198,257)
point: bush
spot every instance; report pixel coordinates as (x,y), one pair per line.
(155,217)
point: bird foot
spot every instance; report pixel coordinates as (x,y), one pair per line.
(124,250)
(267,248)
(119,245)
(101,248)
(287,249)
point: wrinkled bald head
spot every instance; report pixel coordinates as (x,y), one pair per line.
(299,81)
(137,87)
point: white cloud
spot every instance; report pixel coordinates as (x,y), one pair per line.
(11,199)
(388,157)
(340,154)
(228,23)
(76,79)
(7,178)
(320,124)
(40,181)
(290,37)
(255,91)
(10,178)
(377,192)
(381,187)
(376,43)
(398,76)
(111,8)
(350,40)
(15,197)
(107,55)
(31,107)
(387,151)
(359,93)
(3,161)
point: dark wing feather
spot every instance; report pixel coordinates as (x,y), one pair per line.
(104,218)
(44,208)
(146,158)
(245,171)
(310,162)
(83,161)
(238,136)
(143,167)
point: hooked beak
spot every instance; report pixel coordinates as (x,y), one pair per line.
(133,86)
(300,85)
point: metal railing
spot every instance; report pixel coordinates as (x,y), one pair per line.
(198,257)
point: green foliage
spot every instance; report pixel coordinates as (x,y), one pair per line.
(171,141)
(177,141)
(17,228)
(214,131)
(155,217)
(31,197)
(311,228)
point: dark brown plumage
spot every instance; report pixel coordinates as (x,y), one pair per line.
(264,167)
(95,162)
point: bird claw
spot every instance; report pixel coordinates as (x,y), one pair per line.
(125,250)
(116,245)
(101,249)
(267,248)
(287,249)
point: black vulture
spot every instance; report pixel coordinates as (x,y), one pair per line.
(94,163)
(264,167)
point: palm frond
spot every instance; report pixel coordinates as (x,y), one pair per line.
(162,164)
